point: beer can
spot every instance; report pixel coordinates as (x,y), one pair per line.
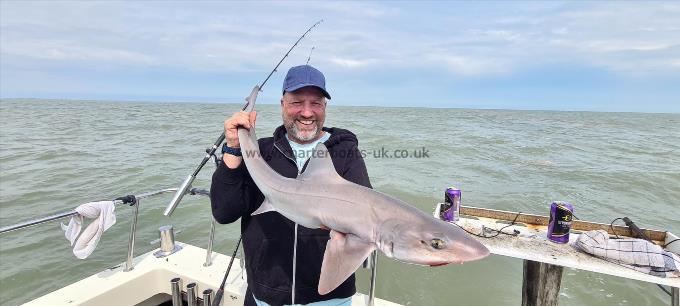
(450,211)
(561,215)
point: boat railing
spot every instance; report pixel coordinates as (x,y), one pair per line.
(132,200)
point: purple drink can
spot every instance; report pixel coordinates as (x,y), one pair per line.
(561,214)
(450,211)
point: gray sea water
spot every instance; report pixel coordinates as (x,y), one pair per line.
(58,154)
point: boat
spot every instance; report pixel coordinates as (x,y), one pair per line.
(172,274)
(524,236)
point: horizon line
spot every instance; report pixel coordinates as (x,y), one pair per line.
(151,101)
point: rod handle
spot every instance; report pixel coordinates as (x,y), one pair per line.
(179,195)
(635,229)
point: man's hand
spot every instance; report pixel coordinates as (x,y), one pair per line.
(240,119)
(231,125)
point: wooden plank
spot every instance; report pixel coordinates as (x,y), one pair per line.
(539,220)
(529,242)
(541,284)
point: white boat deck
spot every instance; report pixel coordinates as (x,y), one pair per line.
(149,282)
(532,244)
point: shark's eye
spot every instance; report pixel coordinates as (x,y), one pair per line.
(437,243)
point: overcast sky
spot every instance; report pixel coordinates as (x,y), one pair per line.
(602,56)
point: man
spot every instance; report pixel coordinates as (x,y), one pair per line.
(281,255)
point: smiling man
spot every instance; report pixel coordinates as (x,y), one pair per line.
(283,259)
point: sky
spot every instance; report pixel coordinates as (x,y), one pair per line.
(590,56)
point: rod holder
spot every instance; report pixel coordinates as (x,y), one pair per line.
(208,297)
(176,290)
(167,242)
(192,299)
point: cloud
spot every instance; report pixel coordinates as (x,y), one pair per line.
(350,63)
(237,36)
(471,66)
(62,50)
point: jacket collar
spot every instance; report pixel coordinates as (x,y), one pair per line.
(338,135)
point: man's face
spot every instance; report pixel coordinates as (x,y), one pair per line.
(303,112)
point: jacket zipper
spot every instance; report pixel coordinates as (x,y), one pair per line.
(292,288)
(289,158)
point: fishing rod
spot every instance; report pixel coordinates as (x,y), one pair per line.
(186,185)
(220,292)
(640,234)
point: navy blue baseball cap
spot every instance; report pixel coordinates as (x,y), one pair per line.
(303,76)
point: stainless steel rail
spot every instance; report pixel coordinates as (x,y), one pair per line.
(371,262)
(211,237)
(133,224)
(70,213)
(374,275)
(133,233)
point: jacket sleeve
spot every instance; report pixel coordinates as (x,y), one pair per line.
(233,193)
(355,169)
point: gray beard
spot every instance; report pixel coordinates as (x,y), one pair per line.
(296,134)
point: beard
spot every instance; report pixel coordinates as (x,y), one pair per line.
(298,135)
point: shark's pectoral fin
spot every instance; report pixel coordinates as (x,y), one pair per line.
(344,254)
(320,166)
(266,206)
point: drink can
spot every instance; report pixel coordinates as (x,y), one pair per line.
(561,214)
(450,211)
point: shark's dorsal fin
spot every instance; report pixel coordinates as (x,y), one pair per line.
(344,254)
(320,166)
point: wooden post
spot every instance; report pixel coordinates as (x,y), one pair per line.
(541,284)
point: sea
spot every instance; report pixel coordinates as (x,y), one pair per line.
(58,154)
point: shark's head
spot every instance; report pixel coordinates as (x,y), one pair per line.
(434,243)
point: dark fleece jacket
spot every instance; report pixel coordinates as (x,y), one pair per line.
(268,238)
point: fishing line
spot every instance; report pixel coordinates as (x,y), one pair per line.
(286,55)
(611,227)
(310,55)
(498,232)
(211,152)
(667,244)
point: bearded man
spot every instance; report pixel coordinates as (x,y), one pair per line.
(283,259)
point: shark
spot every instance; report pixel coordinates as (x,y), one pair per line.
(360,219)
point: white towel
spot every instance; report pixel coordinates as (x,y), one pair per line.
(103,211)
(637,254)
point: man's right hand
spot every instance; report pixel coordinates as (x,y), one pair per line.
(231,125)
(240,119)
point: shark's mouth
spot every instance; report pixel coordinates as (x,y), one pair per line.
(437,264)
